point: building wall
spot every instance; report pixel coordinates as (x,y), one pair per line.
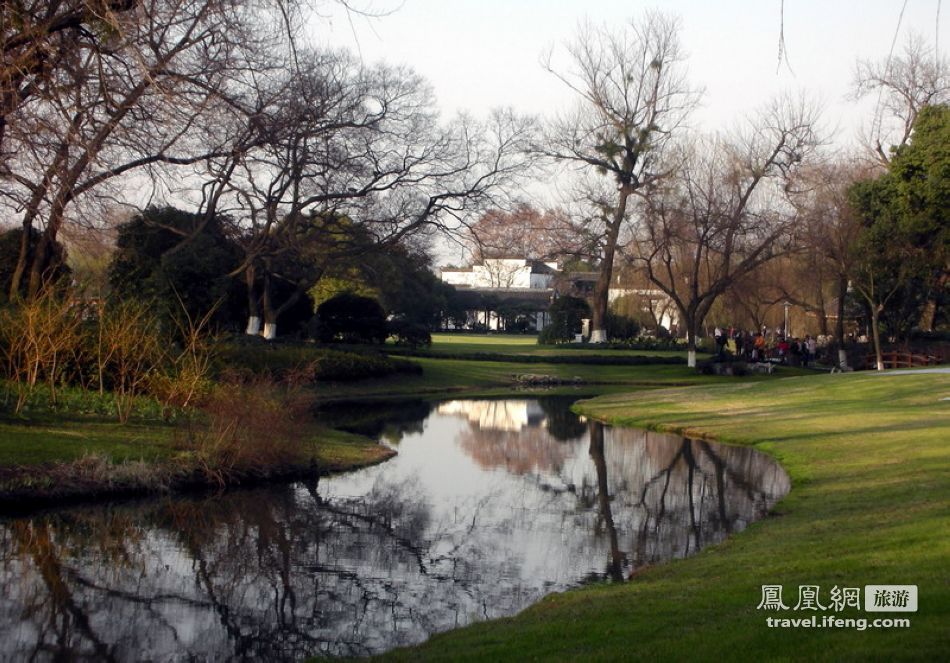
(664,308)
(517,273)
(458,277)
(500,273)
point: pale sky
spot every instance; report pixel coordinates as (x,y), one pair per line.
(482,54)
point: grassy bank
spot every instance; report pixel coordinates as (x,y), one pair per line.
(56,462)
(457,344)
(447,377)
(76,448)
(870,464)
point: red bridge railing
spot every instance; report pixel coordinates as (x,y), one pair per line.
(902,360)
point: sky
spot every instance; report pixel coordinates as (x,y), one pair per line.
(482,54)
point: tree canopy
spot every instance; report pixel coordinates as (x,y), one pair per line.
(144,268)
(566,314)
(901,253)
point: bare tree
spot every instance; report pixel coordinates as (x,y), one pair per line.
(633,98)
(341,140)
(725,213)
(917,77)
(524,232)
(135,98)
(37,36)
(830,228)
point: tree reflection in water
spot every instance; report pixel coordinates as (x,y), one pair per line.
(489,505)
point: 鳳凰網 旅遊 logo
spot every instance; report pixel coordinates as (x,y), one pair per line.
(890,598)
(809,600)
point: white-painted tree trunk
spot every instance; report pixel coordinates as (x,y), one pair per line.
(691,358)
(842,359)
(270,330)
(598,336)
(253,326)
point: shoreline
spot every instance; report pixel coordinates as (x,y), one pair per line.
(27,489)
(855,516)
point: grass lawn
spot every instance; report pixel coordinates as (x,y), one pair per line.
(451,375)
(869,457)
(447,377)
(339,451)
(526,344)
(65,439)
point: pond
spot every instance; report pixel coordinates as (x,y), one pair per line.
(490,505)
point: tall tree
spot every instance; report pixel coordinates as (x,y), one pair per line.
(904,242)
(364,143)
(829,229)
(633,99)
(137,95)
(725,212)
(195,279)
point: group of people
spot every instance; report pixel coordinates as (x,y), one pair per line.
(759,346)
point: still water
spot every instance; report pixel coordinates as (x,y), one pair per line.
(489,506)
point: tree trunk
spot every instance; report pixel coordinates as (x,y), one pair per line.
(38,269)
(690,343)
(598,333)
(822,314)
(270,330)
(45,248)
(928,316)
(253,306)
(839,323)
(270,314)
(23,259)
(253,325)
(29,216)
(876,335)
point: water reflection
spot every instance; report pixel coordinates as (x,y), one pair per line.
(489,505)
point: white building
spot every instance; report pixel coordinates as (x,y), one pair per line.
(529,285)
(655,302)
(508,273)
(511,283)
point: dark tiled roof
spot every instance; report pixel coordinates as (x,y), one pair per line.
(538,267)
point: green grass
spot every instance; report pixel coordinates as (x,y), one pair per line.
(67,439)
(83,424)
(453,376)
(338,451)
(869,457)
(525,344)
(446,377)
